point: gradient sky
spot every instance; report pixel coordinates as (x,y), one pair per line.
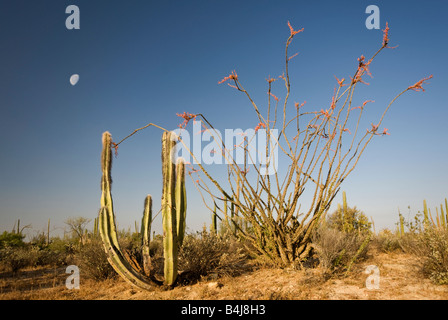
(144,61)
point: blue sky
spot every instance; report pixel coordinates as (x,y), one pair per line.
(145,61)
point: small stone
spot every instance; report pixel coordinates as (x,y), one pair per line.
(214,285)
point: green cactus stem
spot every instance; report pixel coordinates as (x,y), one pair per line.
(173,217)
(348,222)
(401,223)
(425,214)
(173,206)
(107,227)
(146,234)
(181,200)
(214,221)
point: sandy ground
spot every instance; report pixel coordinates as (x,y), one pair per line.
(399,278)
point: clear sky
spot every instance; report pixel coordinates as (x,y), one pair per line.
(144,61)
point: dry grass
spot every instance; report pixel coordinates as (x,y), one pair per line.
(401,278)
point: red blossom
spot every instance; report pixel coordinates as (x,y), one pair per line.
(418,85)
(333,101)
(367,101)
(325,113)
(270,80)
(386,37)
(363,68)
(114,146)
(187,117)
(374,128)
(292,30)
(340,82)
(298,106)
(385,132)
(292,56)
(232,76)
(259,126)
(271,94)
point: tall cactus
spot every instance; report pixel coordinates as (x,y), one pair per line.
(173,206)
(146,234)
(173,215)
(214,227)
(425,213)
(348,220)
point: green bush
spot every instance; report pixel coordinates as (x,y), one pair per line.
(11,239)
(435,254)
(354,220)
(16,258)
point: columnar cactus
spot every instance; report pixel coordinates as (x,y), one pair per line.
(173,215)
(214,221)
(348,221)
(173,206)
(425,214)
(146,234)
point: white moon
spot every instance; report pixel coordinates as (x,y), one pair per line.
(74,79)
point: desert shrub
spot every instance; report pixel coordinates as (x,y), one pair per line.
(64,245)
(387,241)
(354,220)
(204,254)
(338,250)
(48,257)
(92,261)
(16,258)
(434,252)
(156,247)
(11,239)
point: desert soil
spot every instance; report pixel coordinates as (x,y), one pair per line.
(400,278)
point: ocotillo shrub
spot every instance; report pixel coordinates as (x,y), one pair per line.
(321,148)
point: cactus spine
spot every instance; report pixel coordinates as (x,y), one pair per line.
(172,206)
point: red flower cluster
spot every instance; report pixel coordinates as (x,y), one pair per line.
(270,80)
(363,68)
(273,96)
(340,82)
(418,85)
(325,113)
(292,30)
(298,105)
(259,126)
(386,35)
(187,117)
(232,76)
(375,129)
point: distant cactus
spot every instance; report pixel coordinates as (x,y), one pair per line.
(425,213)
(214,227)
